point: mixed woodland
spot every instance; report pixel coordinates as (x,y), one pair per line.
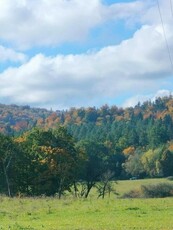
(45,152)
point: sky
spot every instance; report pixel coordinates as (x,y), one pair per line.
(58,54)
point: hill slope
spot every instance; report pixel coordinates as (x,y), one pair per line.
(148,124)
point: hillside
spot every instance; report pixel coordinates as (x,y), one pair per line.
(104,123)
(16,119)
(146,125)
(83,145)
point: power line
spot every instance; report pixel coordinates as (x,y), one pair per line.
(164,32)
(171,4)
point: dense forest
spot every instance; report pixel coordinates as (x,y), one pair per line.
(52,152)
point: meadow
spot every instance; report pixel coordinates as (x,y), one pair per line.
(69,213)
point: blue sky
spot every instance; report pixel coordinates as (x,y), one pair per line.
(64,53)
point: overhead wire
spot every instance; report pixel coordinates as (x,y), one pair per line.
(171,4)
(164,32)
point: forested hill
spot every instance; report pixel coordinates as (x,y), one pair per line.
(17,119)
(94,122)
(105,143)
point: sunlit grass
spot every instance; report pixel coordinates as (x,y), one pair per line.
(126,185)
(87,214)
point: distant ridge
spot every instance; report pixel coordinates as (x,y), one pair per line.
(16,119)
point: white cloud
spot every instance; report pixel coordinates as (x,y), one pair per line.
(131,11)
(75,80)
(131,102)
(47,22)
(28,23)
(152,15)
(139,65)
(7,54)
(161,93)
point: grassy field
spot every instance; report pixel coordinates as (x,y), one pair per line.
(91,214)
(127,185)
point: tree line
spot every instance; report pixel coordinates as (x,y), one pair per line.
(14,120)
(73,151)
(51,162)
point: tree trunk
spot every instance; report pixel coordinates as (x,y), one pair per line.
(89,187)
(7,180)
(75,189)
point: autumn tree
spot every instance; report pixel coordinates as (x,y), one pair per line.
(133,166)
(7,155)
(51,162)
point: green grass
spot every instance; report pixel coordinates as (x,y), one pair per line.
(127,185)
(124,186)
(90,214)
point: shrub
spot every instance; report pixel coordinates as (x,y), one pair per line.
(151,191)
(170,177)
(132,194)
(157,191)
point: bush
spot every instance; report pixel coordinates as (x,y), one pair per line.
(132,194)
(151,191)
(157,191)
(170,177)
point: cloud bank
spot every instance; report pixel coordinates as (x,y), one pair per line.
(28,23)
(137,66)
(7,54)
